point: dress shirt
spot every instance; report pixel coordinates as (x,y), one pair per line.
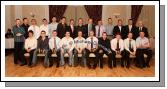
(114,44)
(120,28)
(67,43)
(51,42)
(109,29)
(95,42)
(142,41)
(52,26)
(36,30)
(130,27)
(102,29)
(79,42)
(16,30)
(30,43)
(126,44)
(45,28)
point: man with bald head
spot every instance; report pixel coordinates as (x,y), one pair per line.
(142,28)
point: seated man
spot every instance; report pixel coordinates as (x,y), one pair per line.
(30,45)
(42,48)
(92,46)
(67,45)
(130,48)
(54,48)
(104,48)
(79,49)
(142,44)
(117,46)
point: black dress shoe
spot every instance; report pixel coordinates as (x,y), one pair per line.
(51,65)
(148,65)
(23,64)
(122,65)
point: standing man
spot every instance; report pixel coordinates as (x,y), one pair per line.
(117,46)
(30,46)
(81,27)
(109,27)
(80,49)
(99,29)
(52,26)
(42,48)
(34,28)
(90,26)
(119,29)
(18,32)
(92,47)
(25,25)
(54,48)
(132,29)
(62,28)
(142,28)
(130,48)
(104,48)
(72,29)
(67,45)
(45,27)
(143,45)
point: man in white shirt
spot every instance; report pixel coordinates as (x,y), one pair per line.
(34,28)
(99,29)
(92,47)
(130,48)
(52,26)
(67,45)
(54,48)
(79,49)
(143,45)
(117,47)
(30,46)
(45,27)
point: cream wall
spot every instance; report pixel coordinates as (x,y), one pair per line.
(109,11)
(148,17)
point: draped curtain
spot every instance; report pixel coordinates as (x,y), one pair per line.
(135,12)
(57,11)
(94,12)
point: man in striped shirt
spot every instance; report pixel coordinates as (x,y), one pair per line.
(19,39)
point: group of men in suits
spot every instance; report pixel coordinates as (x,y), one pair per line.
(83,39)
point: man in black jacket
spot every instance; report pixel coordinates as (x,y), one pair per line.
(25,25)
(90,26)
(104,48)
(119,29)
(82,28)
(132,29)
(72,29)
(141,28)
(62,28)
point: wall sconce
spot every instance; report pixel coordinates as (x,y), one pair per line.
(116,15)
(32,14)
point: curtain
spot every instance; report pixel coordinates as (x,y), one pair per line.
(135,12)
(57,11)
(94,12)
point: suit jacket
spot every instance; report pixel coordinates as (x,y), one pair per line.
(83,29)
(133,31)
(61,30)
(93,28)
(144,29)
(74,33)
(123,32)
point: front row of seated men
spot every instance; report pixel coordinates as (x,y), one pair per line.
(80,45)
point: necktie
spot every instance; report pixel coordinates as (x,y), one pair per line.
(90,27)
(55,43)
(117,45)
(140,29)
(91,43)
(99,32)
(129,44)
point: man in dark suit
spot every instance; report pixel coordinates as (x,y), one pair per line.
(25,25)
(72,29)
(132,29)
(89,26)
(82,28)
(141,28)
(62,28)
(119,29)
